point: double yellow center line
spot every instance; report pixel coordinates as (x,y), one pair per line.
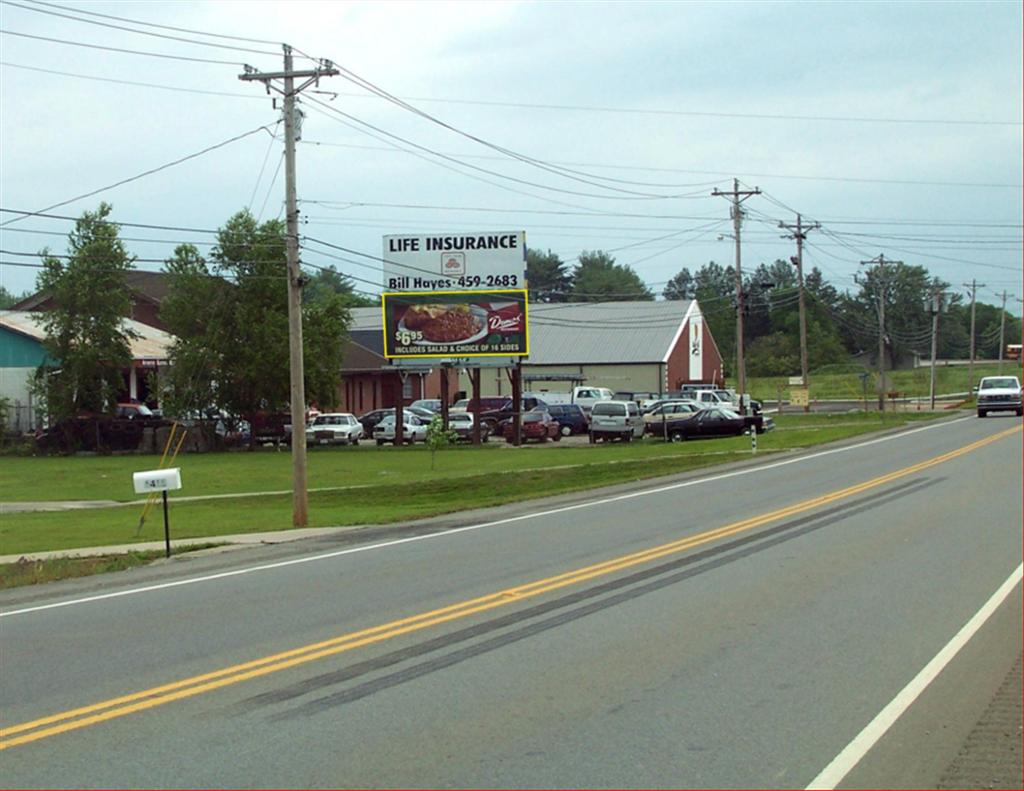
(188,687)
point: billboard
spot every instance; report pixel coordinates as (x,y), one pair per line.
(451,296)
(455,262)
(457,323)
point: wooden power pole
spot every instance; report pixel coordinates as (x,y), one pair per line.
(738,196)
(300,497)
(799,232)
(970,365)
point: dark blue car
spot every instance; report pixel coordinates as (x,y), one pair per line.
(571,418)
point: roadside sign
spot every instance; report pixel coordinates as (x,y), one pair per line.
(461,261)
(455,324)
(798,396)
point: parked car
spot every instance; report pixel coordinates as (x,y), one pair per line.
(656,419)
(132,411)
(273,427)
(999,393)
(430,404)
(571,418)
(616,420)
(413,429)
(536,424)
(334,428)
(462,424)
(714,422)
(496,411)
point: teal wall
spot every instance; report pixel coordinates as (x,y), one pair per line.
(17,351)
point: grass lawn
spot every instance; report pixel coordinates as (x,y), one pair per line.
(910,383)
(381,485)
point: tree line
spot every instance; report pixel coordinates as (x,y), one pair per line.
(227,312)
(840,325)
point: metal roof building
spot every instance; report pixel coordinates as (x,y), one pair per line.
(635,346)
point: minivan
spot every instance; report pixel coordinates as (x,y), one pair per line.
(616,420)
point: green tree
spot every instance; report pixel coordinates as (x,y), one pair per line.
(7,298)
(681,286)
(597,278)
(439,438)
(547,277)
(327,281)
(229,316)
(87,344)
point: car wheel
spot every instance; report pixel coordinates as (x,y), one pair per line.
(677,436)
(982,413)
(593,439)
(557,437)
(1020,412)
(380,442)
(565,431)
(627,437)
(355,440)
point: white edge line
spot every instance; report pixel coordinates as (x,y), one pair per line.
(841,765)
(468,528)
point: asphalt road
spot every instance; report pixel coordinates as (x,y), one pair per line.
(739,628)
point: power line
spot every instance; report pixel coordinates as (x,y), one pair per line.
(723,173)
(151,171)
(249,96)
(122,51)
(155,25)
(708,114)
(625,194)
(138,32)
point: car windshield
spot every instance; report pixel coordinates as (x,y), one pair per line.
(533,417)
(1007,382)
(460,417)
(609,409)
(729,414)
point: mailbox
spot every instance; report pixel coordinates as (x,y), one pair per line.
(157,480)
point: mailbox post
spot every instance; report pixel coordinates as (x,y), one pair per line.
(161,481)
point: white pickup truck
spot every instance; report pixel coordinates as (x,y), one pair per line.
(999,394)
(585,397)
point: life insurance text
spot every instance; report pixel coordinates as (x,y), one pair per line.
(446,283)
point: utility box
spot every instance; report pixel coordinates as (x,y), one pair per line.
(157,480)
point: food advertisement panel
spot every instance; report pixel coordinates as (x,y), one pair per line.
(455,324)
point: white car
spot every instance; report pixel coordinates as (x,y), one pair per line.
(616,420)
(413,429)
(331,428)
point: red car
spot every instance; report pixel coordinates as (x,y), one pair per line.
(536,425)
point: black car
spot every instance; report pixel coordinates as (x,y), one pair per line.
(714,422)
(494,418)
(571,418)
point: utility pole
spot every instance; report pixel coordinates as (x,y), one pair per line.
(1002,331)
(880,262)
(970,366)
(937,305)
(799,232)
(300,497)
(738,196)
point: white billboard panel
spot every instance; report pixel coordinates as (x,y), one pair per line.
(455,261)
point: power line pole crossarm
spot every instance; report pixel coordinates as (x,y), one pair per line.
(738,196)
(799,232)
(300,497)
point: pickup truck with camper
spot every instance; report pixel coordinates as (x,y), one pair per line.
(999,394)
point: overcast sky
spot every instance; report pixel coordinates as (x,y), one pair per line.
(897,126)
